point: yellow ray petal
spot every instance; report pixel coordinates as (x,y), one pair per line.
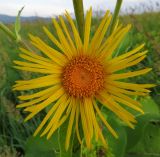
(87,30)
(75,31)
(67,34)
(37,80)
(125,55)
(37,70)
(70,125)
(85,126)
(67,49)
(40,85)
(38,94)
(57,124)
(53,54)
(54,120)
(32,65)
(61,121)
(98,31)
(35,101)
(36,56)
(104,121)
(108,102)
(77,124)
(123,101)
(101,35)
(53,39)
(129,74)
(110,47)
(109,39)
(132,86)
(49,114)
(125,64)
(34,60)
(124,91)
(87,104)
(36,109)
(123,96)
(98,131)
(95,124)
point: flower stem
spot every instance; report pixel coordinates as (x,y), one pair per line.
(79,13)
(13,36)
(115,16)
(7,31)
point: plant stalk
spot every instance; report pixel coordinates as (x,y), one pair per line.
(79,14)
(115,16)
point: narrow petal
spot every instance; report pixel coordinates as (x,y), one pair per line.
(110,47)
(125,64)
(75,31)
(123,101)
(87,30)
(67,34)
(38,70)
(35,101)
(117,92)
(104,121)
(38,94)
(98,31)
(67,49)
(70,125)
(87,104)
(53,54)
(132,86)
(53,39)
(126,55)
(124,91)
(77,124)
(54,120)
(124,115)
(49,114)
(35,86)
(129,74)
(36,109)
(32,65)
(85,126)
(36,56)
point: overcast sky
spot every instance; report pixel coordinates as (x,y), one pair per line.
(54,7)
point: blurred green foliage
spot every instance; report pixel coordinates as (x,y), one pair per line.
(144,141)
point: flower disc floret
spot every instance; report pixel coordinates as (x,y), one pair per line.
(83,77)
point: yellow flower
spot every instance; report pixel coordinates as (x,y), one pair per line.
(77,75)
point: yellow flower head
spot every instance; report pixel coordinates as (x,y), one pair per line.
(79,75)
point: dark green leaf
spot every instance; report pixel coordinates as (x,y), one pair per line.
(118,146)
(41,147)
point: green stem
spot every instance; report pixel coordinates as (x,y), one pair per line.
(7,31)
(115,16)
(79,13)
(13,36)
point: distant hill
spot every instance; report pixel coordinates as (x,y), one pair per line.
(11,19)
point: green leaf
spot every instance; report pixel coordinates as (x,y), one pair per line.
(62,138)
(149,105)
(41,147)
(18,25)
(134,135)
(149,144)
(118,146)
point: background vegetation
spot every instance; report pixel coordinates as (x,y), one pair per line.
(16,136)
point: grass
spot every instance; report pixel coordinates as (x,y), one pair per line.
(13,132)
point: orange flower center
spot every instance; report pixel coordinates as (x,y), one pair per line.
(83,77)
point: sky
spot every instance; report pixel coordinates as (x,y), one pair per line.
(54,7)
